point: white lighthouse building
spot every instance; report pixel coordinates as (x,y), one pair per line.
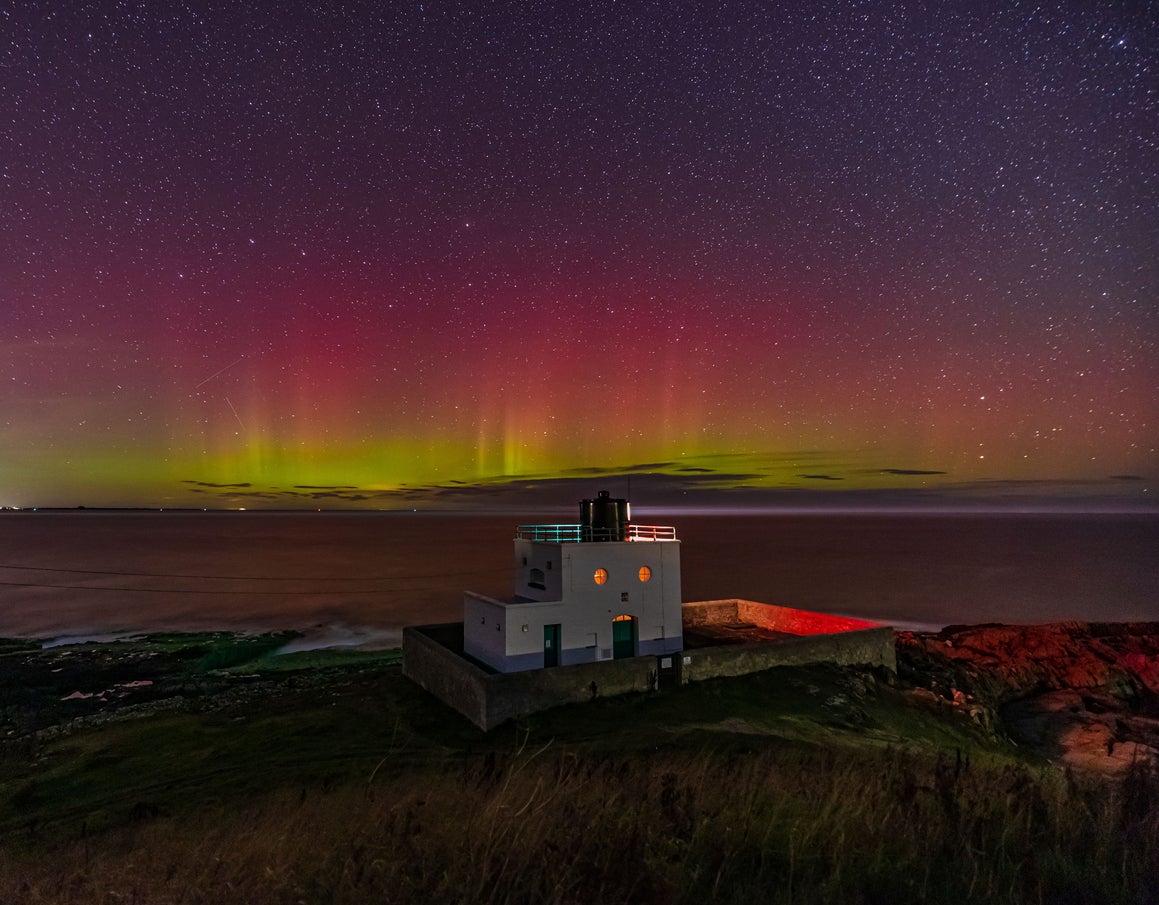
(600,590)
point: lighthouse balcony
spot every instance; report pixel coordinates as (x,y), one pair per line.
(575,534)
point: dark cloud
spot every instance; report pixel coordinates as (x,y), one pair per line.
(454,489)
(1030,483)
(683,486)
(339,493)
(597,470)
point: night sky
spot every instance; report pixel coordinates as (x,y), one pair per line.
(440,254)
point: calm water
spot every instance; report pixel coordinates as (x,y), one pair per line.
(359,577)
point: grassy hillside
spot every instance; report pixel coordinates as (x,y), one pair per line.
(240,776)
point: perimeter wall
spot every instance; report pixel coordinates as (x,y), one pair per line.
(433,658)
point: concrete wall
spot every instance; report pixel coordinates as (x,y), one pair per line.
(432,658)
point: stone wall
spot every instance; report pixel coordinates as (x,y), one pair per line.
(511,695)
(769,616)
(815,638)
(433,658)
(871,647)
(709,612)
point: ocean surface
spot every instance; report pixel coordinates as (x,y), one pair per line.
(357,578)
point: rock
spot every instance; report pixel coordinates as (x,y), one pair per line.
(1085,695)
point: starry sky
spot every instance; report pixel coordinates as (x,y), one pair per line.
(444,254)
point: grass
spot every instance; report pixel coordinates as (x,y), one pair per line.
(343,783)
(550,826)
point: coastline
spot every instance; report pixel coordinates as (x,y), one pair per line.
(1082,695)
(129,766)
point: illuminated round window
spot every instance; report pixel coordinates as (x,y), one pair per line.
(645,573)
(601,576)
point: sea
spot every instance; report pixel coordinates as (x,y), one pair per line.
(356,578)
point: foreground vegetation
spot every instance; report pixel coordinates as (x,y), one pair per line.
(329,778)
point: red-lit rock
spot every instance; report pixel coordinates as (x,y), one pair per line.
(1085,694)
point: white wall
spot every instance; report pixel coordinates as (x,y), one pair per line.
(484,629)
(547,559)
(534,616)
(509,636)
(591,607)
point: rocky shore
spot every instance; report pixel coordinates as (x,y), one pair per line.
(1085,695)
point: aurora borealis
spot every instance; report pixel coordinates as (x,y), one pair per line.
(391,255)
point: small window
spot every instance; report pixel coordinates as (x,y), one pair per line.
(525,560)
(623,596)
(601,576)
(645,573)
(549,565)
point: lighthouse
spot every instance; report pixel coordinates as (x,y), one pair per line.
(595,611)
(601,589)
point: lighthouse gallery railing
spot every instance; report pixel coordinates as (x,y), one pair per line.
(564,534)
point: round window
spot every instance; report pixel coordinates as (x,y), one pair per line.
(645,573)
(601,576)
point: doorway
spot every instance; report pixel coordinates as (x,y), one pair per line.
(550,645)
(623,637)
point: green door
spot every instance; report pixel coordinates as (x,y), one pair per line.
(623,637)
(551,645)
